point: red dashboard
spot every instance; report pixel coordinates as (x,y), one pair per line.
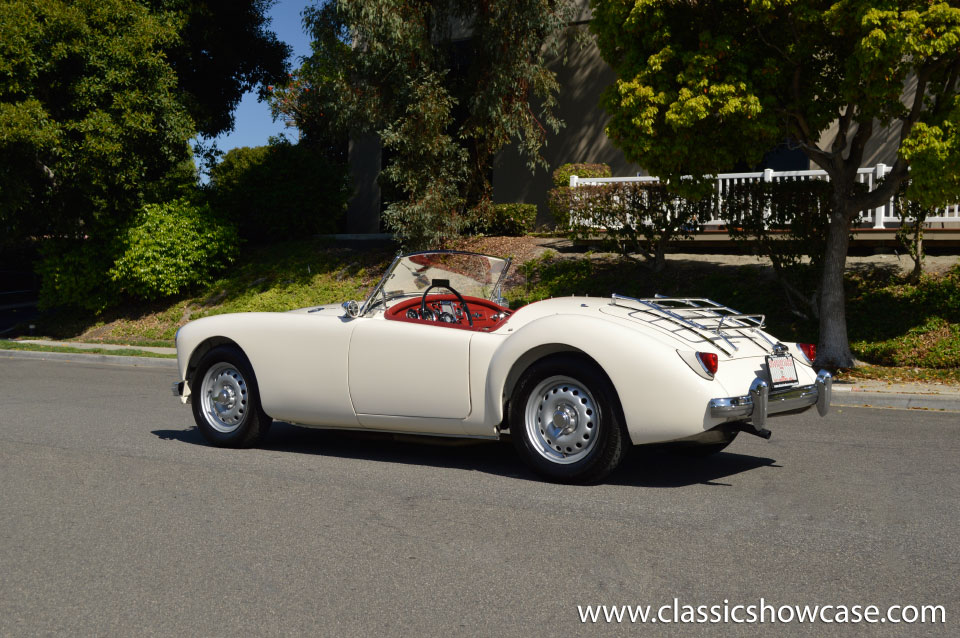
(446,310)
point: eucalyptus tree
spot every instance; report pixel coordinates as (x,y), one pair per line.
(444,84)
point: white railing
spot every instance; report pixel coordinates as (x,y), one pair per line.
(870,218)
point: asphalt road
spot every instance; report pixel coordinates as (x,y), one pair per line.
(118,520)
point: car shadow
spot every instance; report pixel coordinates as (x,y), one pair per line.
(660,468)
(641,468)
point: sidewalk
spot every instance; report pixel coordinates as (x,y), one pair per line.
(865,393)
(881,394)
(109,359)
(98,346)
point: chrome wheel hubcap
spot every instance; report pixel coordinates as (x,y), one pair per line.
(224,396)
(561,420)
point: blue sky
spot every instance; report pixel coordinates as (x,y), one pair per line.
(253,122)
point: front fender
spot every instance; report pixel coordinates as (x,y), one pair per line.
(661,397)
(300,361)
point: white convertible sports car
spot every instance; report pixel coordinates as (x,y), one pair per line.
(433,350)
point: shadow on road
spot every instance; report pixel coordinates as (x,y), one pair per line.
(649,468)
(190,435)
(641,468)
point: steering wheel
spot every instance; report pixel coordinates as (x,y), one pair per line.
(444,283)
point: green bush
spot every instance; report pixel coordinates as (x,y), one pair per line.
(934,344)
(559,199)
(511,220)
(281,191)
(74,273)
(561,176)
(635,217)
(170,248)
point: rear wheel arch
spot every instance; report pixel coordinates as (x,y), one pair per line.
(538,354)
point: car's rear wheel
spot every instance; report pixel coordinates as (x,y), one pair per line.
(566,421)
(226,399)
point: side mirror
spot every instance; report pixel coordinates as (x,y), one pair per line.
(350,309)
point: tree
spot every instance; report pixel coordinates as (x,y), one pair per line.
(444,84)
(224,49)
(89,114)
(704,86)
(281,191)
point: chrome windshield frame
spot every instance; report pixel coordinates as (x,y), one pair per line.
(379,289)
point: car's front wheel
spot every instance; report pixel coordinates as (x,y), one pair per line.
(226,399)
(566,421)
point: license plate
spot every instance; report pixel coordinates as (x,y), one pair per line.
(783,372)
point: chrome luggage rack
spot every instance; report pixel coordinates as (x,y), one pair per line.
(703,317)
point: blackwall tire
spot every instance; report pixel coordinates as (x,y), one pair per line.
(566,421)
(226,399)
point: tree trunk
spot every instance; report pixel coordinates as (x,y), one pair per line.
(917,252)
(833,351)
(660,256)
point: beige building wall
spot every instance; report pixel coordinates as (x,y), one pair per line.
(582,75)
(882,146)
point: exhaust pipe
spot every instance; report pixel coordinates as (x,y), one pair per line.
(749,428)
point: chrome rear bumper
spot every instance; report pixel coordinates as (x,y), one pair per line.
(762,402)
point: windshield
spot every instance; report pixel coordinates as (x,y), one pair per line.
(470,274)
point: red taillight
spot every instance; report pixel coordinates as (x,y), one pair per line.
(809,350)
(709,361)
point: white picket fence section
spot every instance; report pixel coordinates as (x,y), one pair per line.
(877,218)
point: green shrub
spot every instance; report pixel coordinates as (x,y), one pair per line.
(559,199)
(561,176)
(74,273)
(934,344)
(170,248)
(559,202)
(512,220)
(635,217)
(281,191)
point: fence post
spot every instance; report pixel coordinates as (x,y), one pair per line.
(573,181)
(879,213)
(767,211)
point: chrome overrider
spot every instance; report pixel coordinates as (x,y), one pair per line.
(762,402)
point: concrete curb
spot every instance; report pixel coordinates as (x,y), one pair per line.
(108,359)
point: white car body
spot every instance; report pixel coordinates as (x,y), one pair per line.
(322,367)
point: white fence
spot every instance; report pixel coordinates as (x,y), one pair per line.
(872,218)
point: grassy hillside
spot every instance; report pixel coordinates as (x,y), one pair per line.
(892,322)
(275,278)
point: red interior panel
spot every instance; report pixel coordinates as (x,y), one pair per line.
(485,322)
